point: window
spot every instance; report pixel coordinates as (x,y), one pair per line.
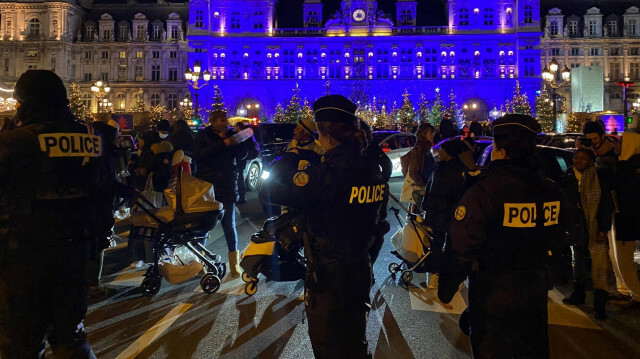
(406,17)
(123,34)
(464,17)
(632,27)
(106,34)
(104,54)
(613,27)
(593,27)
(174,32)
(553,28)
(87,54)
(634,70)
(528,14)
(555,51)
(139,55)
(199,19)
(6,65)
(87,76)
(155,99)
(32,53)
(614,70)
(235,20)
(123,54)
(104,76)
(488,16)
(155,72)
(614,51)
(155,54)
(573,28)
(172,101)
(594,52)
(157,32)
(122,72)
(575,65)
(34,26)
(139,73)
(634,51)
(312,19)
(86,100)
(173,54)
(32,67)
(575,51)
(173,74)
(121,102)
(140,32)
(258,25)
(90,32)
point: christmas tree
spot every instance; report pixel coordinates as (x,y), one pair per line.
(138,102)
(394,118)
(217,104)
(544,111)
(381,119)
(156,113)
(406,114)
(436,111)
(366,114)
(307,112)
(76,105)
(423,108)
(293,113)
(279,116)
(453,111)
(519,104)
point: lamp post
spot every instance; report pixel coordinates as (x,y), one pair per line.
(625,110)
(193,78)
(494,113)
(101,89)
(549,76)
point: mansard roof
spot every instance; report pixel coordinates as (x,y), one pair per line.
(128,9)
(581,7)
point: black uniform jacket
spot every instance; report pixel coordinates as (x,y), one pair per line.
(340,197)
(505,224)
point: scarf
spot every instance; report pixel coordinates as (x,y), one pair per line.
(590,198)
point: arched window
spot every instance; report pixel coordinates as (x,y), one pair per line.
(199,19)
(155,99)
(34,26)
(463,19)
(528,14)
(121,102)
(172,101)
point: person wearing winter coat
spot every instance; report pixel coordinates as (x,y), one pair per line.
(181,137)
(421,165)
(217,152)
(475,129)
(446,128)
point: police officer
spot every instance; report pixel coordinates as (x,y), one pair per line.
(339,198)
(500,237)
(46,217)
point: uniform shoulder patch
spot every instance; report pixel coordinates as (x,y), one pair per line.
(460,213)
(300,179)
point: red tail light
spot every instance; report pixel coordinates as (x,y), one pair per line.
(385,149)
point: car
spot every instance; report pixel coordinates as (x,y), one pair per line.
(394,144)
(568,140)
(273,139)
(555,161)
(481,143)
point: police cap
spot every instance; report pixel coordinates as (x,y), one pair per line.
(42,88)
(334,108)
(516,124)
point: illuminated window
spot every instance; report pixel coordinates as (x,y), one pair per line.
(139,55)
(34,26)
(123,54)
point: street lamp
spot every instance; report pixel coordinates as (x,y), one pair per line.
(494,113)
(101,89)
(625,85)
(549,76)
(193,78)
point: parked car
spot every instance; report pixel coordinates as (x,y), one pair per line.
(272,138)
(394,144)
(568,140)
(555,161)
(481,143)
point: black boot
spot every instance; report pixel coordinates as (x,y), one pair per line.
(577,297)
(600,303)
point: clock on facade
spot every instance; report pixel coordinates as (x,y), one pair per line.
(359,15)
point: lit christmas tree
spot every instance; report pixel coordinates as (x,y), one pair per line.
(381,119)
(423,108)
(406,114)
(454,111)
(293,113)
(544,111)
(217,104)
(156,113)
(327,88)
(279,116)
(574,123)
(138,102)
(394,118)
(436,111)
(307,112)
(187,109)
(519,104)
(76,105)
(366,114)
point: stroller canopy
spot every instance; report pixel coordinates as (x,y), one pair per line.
(196,195)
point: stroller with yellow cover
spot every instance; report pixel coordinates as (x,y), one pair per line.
(192,212)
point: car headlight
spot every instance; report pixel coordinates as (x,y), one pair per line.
(264,175)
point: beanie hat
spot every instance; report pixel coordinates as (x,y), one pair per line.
(308,125)
(42,88)
(164,126)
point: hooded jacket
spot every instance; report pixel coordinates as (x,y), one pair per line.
(627,188)
(161,168)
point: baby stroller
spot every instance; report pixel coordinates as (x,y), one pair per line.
(274,251)
(411,243)
(191,214)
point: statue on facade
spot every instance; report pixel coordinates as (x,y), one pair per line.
(79,35)
(146,35)
(546,31)
(565,31)
(586,31)
(605,31)
(129,35)
(181,35)
(164,35)
(625,29)
(95,36)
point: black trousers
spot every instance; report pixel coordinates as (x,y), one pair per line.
(508,315)
(43,295)
(337,308)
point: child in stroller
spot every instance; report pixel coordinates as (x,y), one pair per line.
(274,251)
(191,214)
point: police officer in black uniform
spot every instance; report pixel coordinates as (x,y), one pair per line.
(339,199)
(46,219)
(502,231)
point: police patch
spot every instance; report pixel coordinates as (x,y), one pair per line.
(300,179)
(70,144)
(460,213)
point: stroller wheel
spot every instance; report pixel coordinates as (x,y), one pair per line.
(222,269)
(150,286)
(251,288)
(394,268)
(407,276)
(245,277)
(210,283)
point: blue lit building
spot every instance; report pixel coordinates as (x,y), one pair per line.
(477,48)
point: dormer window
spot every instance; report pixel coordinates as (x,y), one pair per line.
(313,19)
(140,32)
(157,31)
(89,32)
(573,28)
(175,32)
(34,26)
(553,28)
(593,27)
(406,17)
(106,34)
(124,32)
(613,27)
